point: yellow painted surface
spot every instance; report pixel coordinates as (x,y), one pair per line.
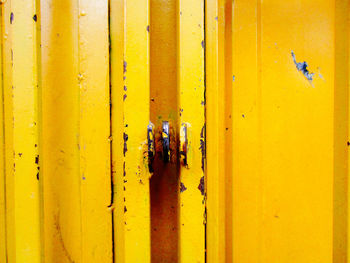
(8,130)
(2,157)
(136,98)
(20,182)
(117,126)
(95,132)
(76,151)
(25,132)
(267,136)
(286,123)
(216,133)
(191,106)
(288,174)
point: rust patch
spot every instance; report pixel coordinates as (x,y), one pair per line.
(201,186)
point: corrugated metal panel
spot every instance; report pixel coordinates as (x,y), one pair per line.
(174,131)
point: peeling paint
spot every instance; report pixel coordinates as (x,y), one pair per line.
(182,187)
(125,137)
(125,66)
(202,146)
(201,186)
(302,66)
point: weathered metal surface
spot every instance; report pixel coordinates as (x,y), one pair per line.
(174,131)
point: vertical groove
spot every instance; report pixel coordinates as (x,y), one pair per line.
(111,206)
(341,133)
(76,30)
(39,121)
(3,159)
(228,130)
(259,119)
(205,128)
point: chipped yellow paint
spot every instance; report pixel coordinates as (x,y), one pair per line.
(20,112)
(117,124)
(8,129)
(136,96)
(191,103)
(264,179)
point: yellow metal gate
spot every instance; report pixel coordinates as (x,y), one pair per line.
(174,131)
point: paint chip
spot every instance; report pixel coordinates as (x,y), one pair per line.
(124,66)
(302,66)
(182,187)
(201,185)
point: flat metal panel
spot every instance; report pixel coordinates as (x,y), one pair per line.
(289,139)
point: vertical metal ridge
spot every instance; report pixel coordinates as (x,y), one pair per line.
(228,131)
(25,131)
(136,99)
(3,243)
(117,8)
(191,76)
(112,202)
(341,137)
(60,132)
(94,130)
(215,92)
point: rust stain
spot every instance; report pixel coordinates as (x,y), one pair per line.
(201,186)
